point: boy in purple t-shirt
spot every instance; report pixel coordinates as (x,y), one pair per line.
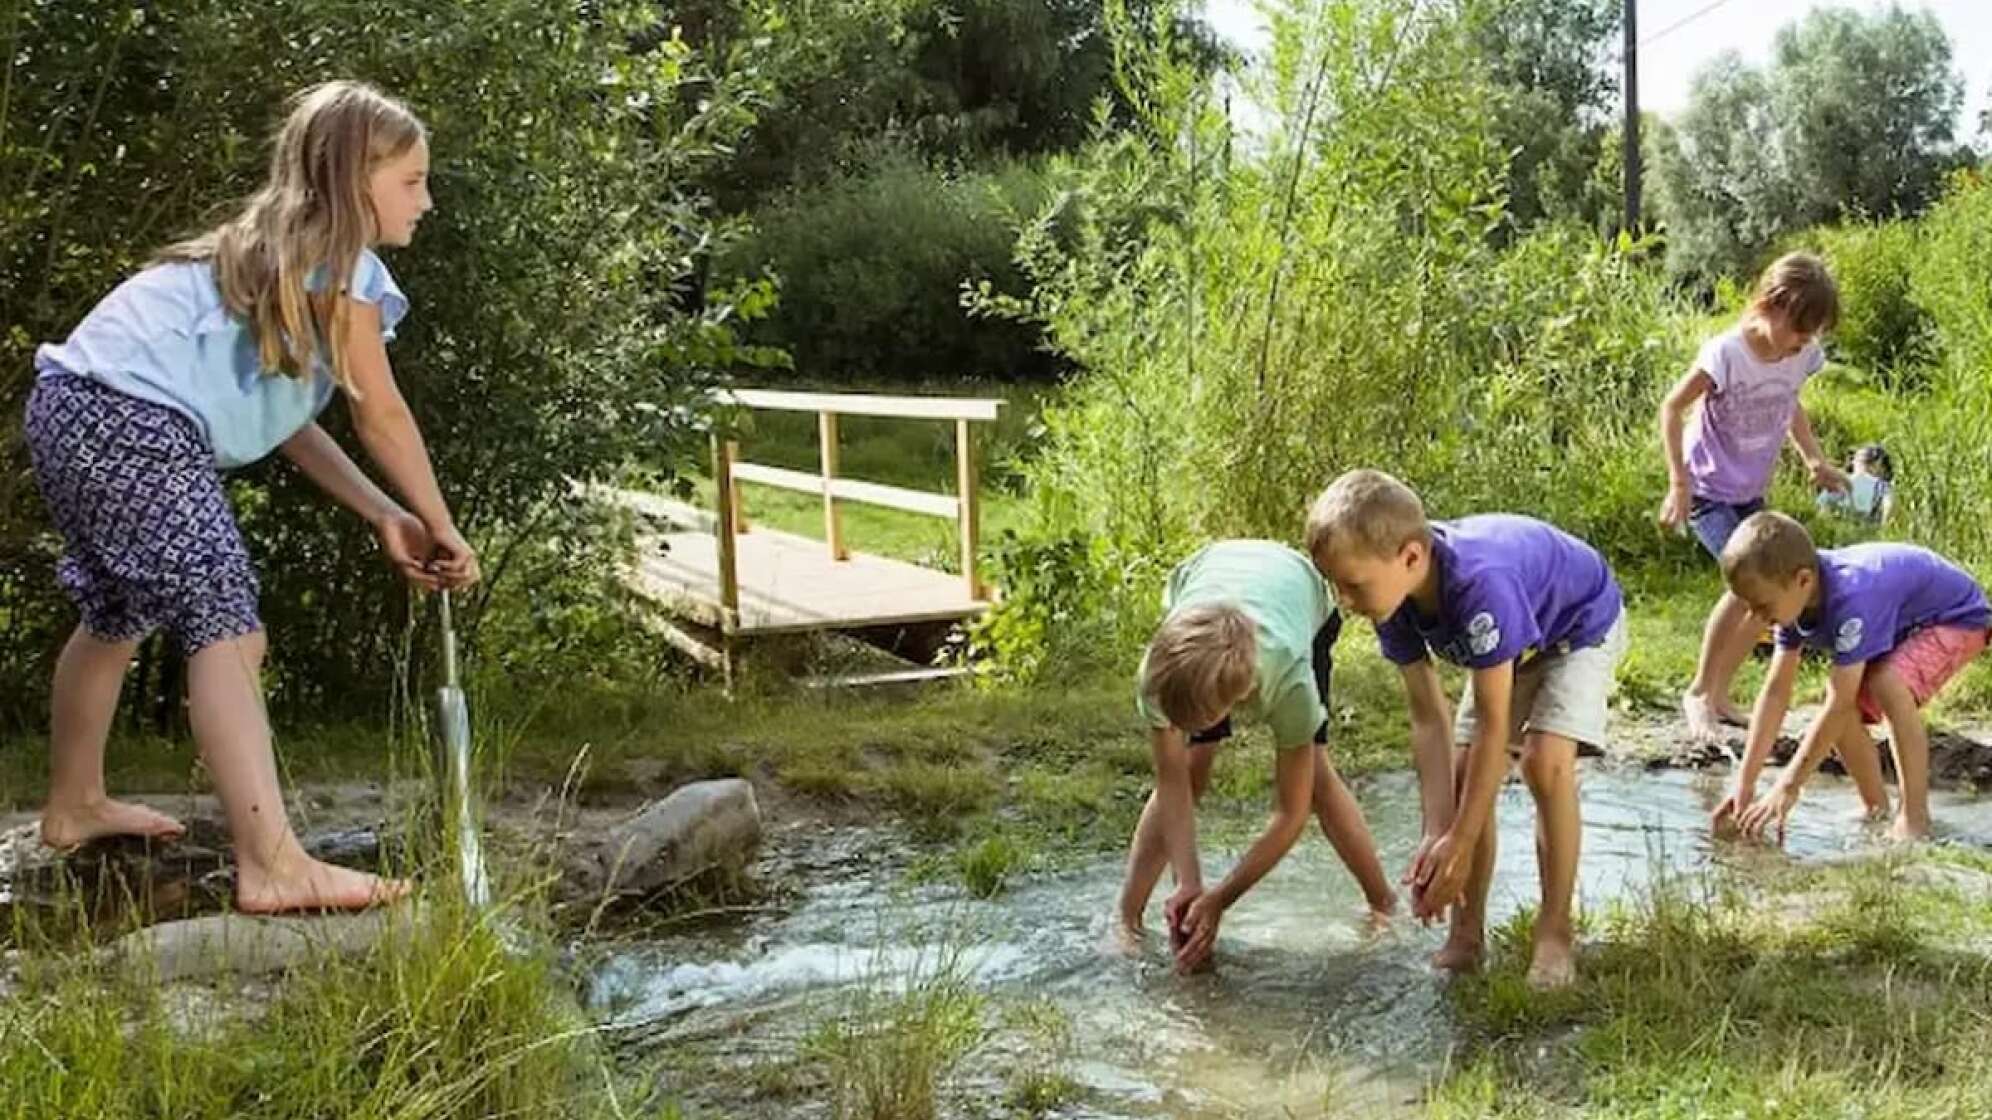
(1898,621)
(1719,464)
(1536,616)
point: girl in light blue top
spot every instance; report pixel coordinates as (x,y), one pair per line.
(224,349)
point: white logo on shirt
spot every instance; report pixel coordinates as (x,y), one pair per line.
(1483,636)
(1849,637)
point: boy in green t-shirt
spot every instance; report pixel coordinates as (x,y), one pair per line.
(1250,630)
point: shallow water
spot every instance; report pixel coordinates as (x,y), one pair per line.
(1305,1012)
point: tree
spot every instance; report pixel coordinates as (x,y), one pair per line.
(1855,116)
(955,81)
(1555,92)
(1869,108)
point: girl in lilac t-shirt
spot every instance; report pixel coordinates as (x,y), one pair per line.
(1721,458)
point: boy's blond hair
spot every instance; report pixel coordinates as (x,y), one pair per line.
(1769,548)
(1798,287)
(1200,662)
(1366,510)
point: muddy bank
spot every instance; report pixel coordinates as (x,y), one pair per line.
(1960,758)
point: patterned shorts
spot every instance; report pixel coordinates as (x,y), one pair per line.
(149,540)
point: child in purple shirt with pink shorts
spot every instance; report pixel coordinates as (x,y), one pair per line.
(1746,381)
(1898,622)
(1537,618)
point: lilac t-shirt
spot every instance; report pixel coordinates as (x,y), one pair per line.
(1876,594)
(1507,585)
(1733,440)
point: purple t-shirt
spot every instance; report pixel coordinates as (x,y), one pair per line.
(1507,585)
(1733,439)
(1876,594)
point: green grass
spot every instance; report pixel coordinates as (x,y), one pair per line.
(1856,990)
(444,1020)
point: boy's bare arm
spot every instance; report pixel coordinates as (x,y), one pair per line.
(1170,750)
(1843,688)
(1431,744)
(1770,810)
(1442,869)
(1293,804)
(1766,720)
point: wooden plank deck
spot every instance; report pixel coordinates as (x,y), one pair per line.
(789,583)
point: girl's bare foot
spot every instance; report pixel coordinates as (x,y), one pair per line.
(66,827)
(1554,965)
(1459,955)
(305,885)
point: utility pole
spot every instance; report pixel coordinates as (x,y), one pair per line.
(1632,168)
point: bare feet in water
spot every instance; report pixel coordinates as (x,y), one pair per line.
(1554,966)
(68,827)
(1459,955)
(301,884)
(1904,832)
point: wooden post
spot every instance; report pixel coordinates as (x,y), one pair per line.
(729,574)
(971,506)
(740,524)
(833,524)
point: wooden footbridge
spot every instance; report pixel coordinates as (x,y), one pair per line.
(725,580)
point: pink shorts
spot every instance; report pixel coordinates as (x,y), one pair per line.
(1925,661)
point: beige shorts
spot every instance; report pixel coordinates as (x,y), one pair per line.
(1566,693)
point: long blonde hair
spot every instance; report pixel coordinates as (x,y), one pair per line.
(311,213)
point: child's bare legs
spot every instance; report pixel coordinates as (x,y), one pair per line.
(1863,762)
(1549,766)
(1911,744)
(1727,640)
(1147,855)
(88,677)
(1466,939)
(1343,824)
(273,872)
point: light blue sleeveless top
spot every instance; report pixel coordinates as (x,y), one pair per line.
(165,336)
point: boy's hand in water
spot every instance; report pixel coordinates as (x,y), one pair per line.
(407,543)
(1438,876)
(1769,811)
(1729,812)
(1174,909)
(1199,930)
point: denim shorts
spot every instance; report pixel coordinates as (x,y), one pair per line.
(1714,522)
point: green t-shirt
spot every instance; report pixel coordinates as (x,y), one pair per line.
(1279,590)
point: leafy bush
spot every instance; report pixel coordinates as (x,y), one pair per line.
(555,332)
(871,265)
(1948,280)
(1882,329)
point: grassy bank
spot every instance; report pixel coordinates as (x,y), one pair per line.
(1856,990)
(446,1020)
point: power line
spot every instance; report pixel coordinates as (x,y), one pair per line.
(1682,22)
(1691,17)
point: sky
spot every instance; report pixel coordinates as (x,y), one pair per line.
(1678,36)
